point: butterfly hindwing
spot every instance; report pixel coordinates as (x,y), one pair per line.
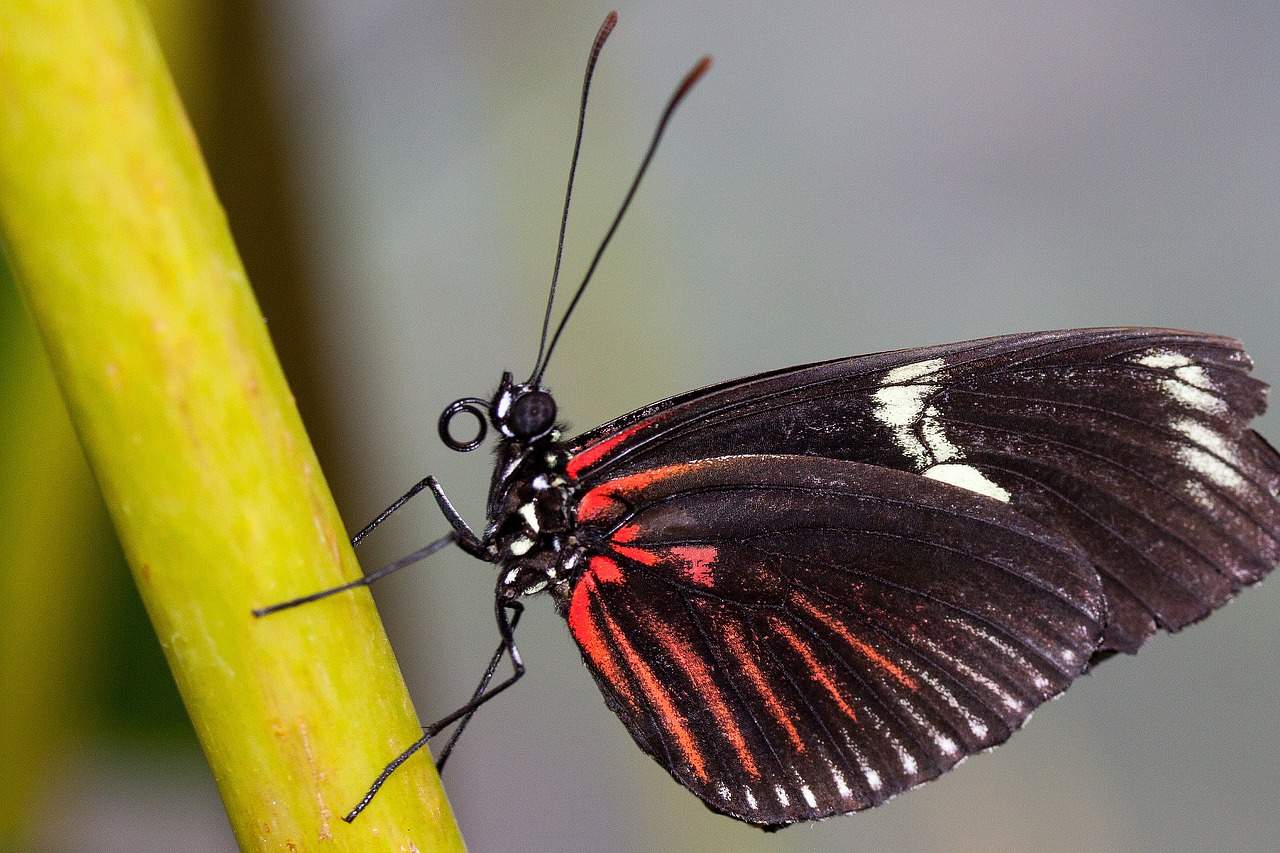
(794,637)
(1132,442)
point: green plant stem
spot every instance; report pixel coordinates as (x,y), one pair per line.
(123,257)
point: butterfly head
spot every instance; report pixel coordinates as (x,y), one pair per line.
(521,411)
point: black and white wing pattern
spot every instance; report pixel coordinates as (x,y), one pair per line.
(1133,442)
(806,591)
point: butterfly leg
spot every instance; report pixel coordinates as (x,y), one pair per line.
(484,683)
(506,627)
(462,535)
(424,483)
(410,559)
(466,538)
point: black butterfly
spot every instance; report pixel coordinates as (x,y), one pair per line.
(807,591)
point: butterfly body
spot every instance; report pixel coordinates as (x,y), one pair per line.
(806,591)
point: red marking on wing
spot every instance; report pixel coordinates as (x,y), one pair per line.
(693,562)
(815,667)
(672,720)
(626,533)
(640,555)
(699,560)
(598,502)
(605,570)
(582,624)
(588,456)
(689,660)
(876,658)
(744,658)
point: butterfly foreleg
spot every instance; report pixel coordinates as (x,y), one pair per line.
(466,537)
(386,513)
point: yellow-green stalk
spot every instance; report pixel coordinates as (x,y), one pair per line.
(123,257)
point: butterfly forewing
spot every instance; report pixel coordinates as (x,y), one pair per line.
(794,637)
(1131,442)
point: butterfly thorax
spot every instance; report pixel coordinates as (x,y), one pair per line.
(529,531)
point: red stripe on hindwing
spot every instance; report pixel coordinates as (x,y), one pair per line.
(746,659)
(605,570)
(599,636)
(697,562)
(694,563)
(692,664)
(876,658)
(816,669)
(583,626)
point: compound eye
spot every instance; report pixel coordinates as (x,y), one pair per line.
(532,414)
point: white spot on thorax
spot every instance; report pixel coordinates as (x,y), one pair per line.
(530,515)
(520,546)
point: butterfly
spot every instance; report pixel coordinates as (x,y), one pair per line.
(806,591)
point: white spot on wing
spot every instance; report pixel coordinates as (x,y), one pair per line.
(908,760)
(808,796)
(905,373)
(1190,384)
(751,798)
(1194,374)
(782,796)
(1192,397)
(1213,458)
(873,778)
(1162,359)
(968,477)
(841,785)
(900,405)
(1198,493)
(723,791)
(937,440)
(1213,468)
(1208,438)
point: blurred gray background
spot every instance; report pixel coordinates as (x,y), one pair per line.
(850,177)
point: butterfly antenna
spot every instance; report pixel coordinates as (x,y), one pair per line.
(610,22)
(683,89)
